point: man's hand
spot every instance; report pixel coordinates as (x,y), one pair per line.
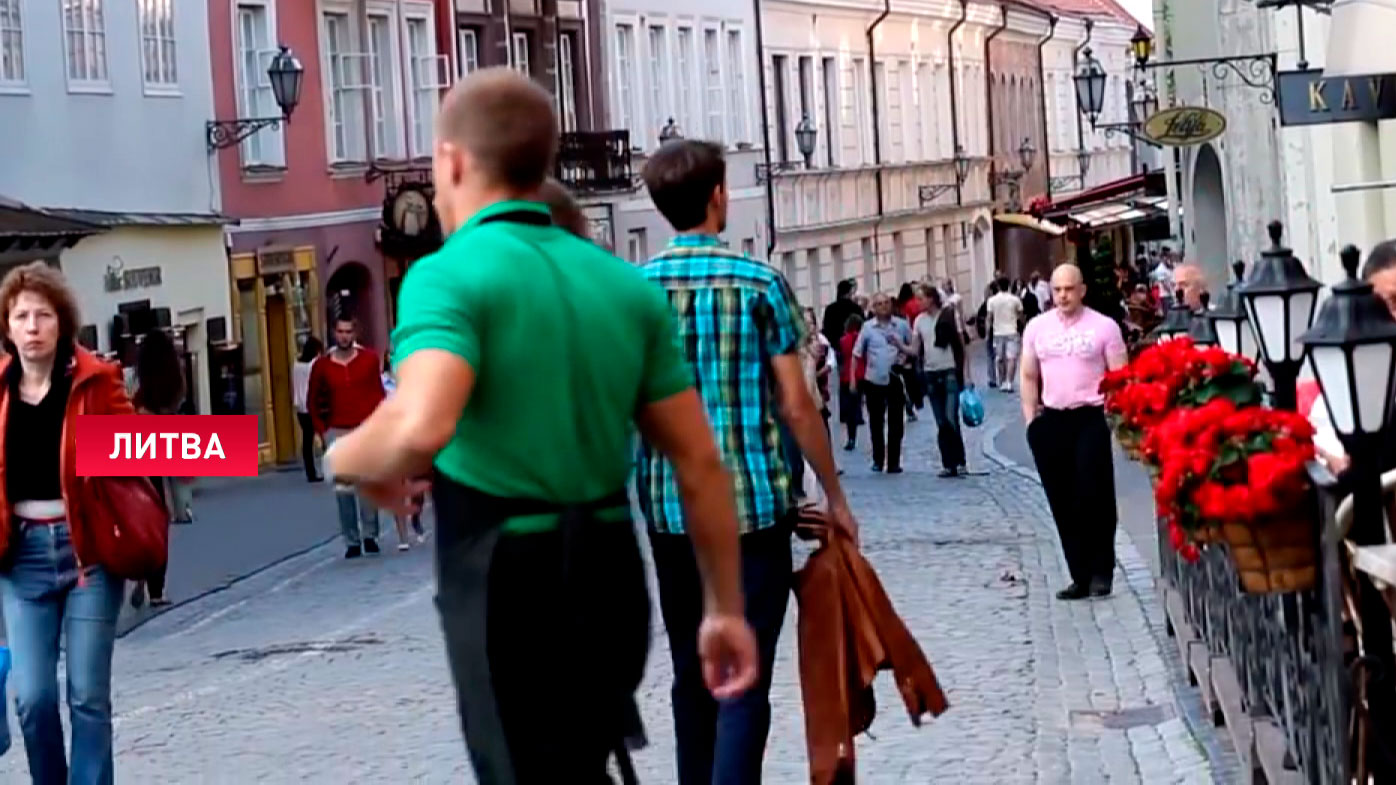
(727,647)
(395,496)
(842,518)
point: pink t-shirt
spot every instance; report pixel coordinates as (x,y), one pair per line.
(1072,355)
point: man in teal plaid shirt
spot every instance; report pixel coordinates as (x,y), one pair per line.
(741,330)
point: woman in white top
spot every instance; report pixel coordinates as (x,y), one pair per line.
(300,384)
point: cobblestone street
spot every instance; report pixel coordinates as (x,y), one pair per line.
(324,671)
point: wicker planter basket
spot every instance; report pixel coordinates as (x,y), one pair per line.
(1273,556)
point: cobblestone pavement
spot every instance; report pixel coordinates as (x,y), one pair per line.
(324,671)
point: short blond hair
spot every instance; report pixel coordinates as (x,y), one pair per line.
(506,122)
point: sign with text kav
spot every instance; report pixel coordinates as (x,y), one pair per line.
(1180,126)
(130,445)
(1310,98)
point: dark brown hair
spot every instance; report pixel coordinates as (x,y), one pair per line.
(681,177)
(506,122)
(565,210)
(159,374)
(47,282)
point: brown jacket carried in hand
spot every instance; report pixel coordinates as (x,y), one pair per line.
(848,632)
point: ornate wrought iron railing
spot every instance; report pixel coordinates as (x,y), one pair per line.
(591,161)
(1293,654)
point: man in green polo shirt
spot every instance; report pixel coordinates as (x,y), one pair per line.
(526,357)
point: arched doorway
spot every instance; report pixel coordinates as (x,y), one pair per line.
(348,294)
(1209,219)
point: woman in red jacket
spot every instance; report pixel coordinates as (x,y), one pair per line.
(850,373)
(51,580)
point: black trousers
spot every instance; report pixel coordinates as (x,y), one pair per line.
(1071,448)
(307,445)
(546,636)
(886,408)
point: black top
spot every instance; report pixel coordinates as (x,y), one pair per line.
(33,441)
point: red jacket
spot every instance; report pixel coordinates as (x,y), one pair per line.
(848,632)
(97,389)
(343,395)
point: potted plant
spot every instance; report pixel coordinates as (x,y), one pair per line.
(1169,375)
(1236,474)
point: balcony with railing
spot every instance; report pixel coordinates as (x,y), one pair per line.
(595,161)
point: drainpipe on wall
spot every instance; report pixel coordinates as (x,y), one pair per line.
(954,102)
(877,133)
(989,100)
(1042,84)
(1075,64)
(765,134)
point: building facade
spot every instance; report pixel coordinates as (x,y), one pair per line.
(315,196)
(690,67)
(104,106)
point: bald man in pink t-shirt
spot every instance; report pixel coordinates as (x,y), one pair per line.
(1066,353)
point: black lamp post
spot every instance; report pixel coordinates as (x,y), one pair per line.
(1141,45)
(1280,298)
(1200,328)
(1090,86)
(961,165)
(1027,154)
(805,134)
(1178,320)
(1352,352)
(1083,164)
(1145,103)
(286,75)
(670,132)
(1229,320)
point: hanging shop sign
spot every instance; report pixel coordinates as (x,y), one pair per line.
(1183,126)
(1310,98)
(409,228)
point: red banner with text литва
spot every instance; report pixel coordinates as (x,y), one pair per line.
(147,445)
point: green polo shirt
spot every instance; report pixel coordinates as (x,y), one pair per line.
(566,341)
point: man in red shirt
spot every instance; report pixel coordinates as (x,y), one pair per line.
(345,387)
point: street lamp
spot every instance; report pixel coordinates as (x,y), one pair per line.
(1280,298)
(1229,320)
(1145,103)
(670,132)
(1142,45)
(961,165)
(805,134)
(285,75)
(1027,154)
(1200,328)
(1090,86)
(1177,322)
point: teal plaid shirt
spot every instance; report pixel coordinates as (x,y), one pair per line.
(734,314)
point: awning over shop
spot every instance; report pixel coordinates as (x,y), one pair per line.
(1359,38)
(1023,219)
(112,219)
(28,233)
(1123,212)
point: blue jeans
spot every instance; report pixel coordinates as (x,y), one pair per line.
(42,599)
(943,388)
(358,518)
(722,744)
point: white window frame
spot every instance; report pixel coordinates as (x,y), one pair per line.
(714,94)
(13,79)
(685,58)
(387,114)
(95,76)
(659,96)
(348,67)
(861,117)
(736,83)
(158,39)
(566,77)
(468,50)
(267,147)
(625,73)
(520,56)
(425,75)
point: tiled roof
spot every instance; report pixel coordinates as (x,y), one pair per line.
(1094,9)
(105,218)
(17,220)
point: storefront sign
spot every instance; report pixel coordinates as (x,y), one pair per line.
(1181,126)
(119,280)
(275,262)
(1310,98)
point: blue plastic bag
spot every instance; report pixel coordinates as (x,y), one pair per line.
(4,703)
(971,407)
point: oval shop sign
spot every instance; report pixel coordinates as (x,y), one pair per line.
(1181,126)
